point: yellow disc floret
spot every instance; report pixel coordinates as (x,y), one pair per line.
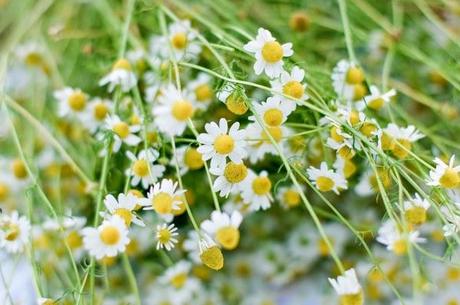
(273,117)
(110,235)
(182,110)
(415,215)
(236,104)
(355,76)
(291,198)
(162,203)
(19,169)
(272,52)
(325,184)
(121,129)
(235,173)
(293,89)
(228,237)
(212,257)
(352,299)
(141,168)
(179,40)
(122,64)
(193,159)
(100,111)
(77,101)
(124,214)
(203,92)
(224,144)
(261,185)
(450,179)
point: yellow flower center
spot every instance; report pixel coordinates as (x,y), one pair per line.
(12,232)
(125,214)
(4,191)
(334,133)
(181,208)
(291,198)
(110,235)
(33,59)
(352,299)
(374,292)
(122,64)
(49,302)
(275,131)
(323,248)
(299,22)
(293,89)
(141,168)
(121,129)
(235,173)
(273,117)
(179,280)
(453,302)
(228,237)
(212,257)
(325,184)
(100,111)
(224,144)
(359,91)
(77,101)
(402,148)
(193,159)
(453,274)
(132,248)
(135,120)
(182,110)
(450,179)
(437,235)
(163,203)
(368,129)
(346,152)
(179,40)
(261,185)
(388,143)
(164,236)
(19,169)
(384,178)
(354,117)
(400,247)
(74,240)
(349,168)
(354,76)
(203,92)
(415,215)
(236,104)
(272,52)
(376,104)
(108,260)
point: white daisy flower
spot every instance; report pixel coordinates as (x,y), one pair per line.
(230,178)
(348,288)
(107,240)
(201,90)
(14,232)
(177,275)
(453,219)
(121,75)
(13,176)
(122,132)
(182,39)
(72,102)
(221,142)
(376,100)
(368,183)
(96,113)
(188,158)
(288,196)
(256,191)
(260,144)
(398,139)
(194,244)
(223,228)
(445,175)
(273,111)
(32,55)
(290,84)
(164,198)
(415,209)
(347,80)
(268,53)
(326,179)
(173,112)
(166,236)
(395,240)
(142,168)
(124,207)
(346,167)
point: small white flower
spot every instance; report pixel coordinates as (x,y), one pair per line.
(124,207)
(256,191)
(395,240)
(173,112)
(326,179)
(416,201)
(142,168)
(403,135)
(121,75)
(182,39)
(347,80)
(166,236)
(107,240)
(72,102)
(164,197)
(290,84)
(273,111)
(376,100)
(194,244)
(288,196)
(346,284)
(122,132)
(453,219)
(445,175)
(188,158)
(223,228)
(177,275)
(97,111)
(230,178)
(201,90)
(221,142)
(268,53)
(259,141)
(14,232)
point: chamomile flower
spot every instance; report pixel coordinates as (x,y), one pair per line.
(107,240)
(289,196)
(121,76)
(347,80)
(164,198)
(220,142)
(182,39)
(124,207)
(97,111)
(32,55)
(14,175)
(122,132)
(177,275)
(173,112)
(193,244)
(290,85)
(376,100)
(230,178)
(256,191)
(348,288)
(72,102)
(14,232)
(260,143)
(326,179)
(223,228)
(369,181)
(273,111)
(395,240)
(269,53)
(445,175)
(166,236)
(453,221)
(234,98)
(399,139)
(142,169)
(415,210)
(201,90)
(188,159)
(345,166)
